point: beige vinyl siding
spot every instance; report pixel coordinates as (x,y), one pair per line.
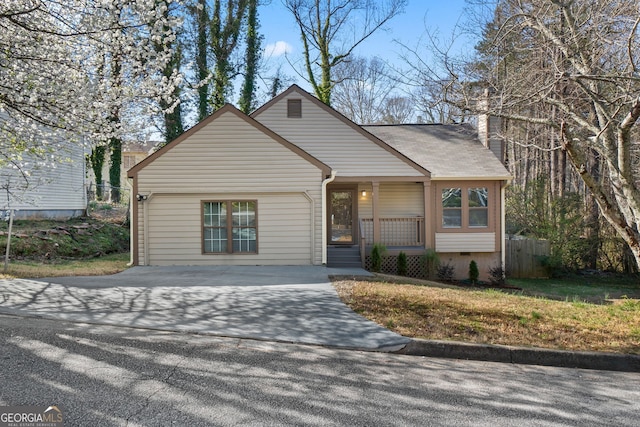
(333,142)
(59,187)
(396,200)
(231,155)
(231,160)
(466,242)
(284,231)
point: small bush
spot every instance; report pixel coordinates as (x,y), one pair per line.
(445,272)
(430,263)
(377,252)
(402,264)
(497,276)
(474,273)
(552,264)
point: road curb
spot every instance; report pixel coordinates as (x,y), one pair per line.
(523,355)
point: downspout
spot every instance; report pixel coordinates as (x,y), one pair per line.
(145,205)
(503,227)
(324,214)
(312,202)
(131,224)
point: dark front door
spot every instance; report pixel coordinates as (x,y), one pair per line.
(341,217)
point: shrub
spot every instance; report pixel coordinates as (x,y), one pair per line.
(402,264)
(497,276)
(552,264)
(445,272)
(474,273)
(377,252)
(430,262)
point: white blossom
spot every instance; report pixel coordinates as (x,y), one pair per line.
(58,72)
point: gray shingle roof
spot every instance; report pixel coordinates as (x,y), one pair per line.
(447,151)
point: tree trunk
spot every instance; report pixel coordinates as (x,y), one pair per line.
(201,59)
(251,58)
(115,145)
(592,220)
(97,163)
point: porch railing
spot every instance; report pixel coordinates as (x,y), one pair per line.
(395,231)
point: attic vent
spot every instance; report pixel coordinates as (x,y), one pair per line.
(294,108)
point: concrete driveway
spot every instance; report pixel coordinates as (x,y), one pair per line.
(291,304)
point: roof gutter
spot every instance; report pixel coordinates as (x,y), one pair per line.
(326,182)
(473,178)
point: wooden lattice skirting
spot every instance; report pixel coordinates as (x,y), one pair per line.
(415,267)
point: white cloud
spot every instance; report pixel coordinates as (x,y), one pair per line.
(276,49)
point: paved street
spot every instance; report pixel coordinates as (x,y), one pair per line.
(113,376)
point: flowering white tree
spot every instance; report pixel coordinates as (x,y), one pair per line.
(84,71)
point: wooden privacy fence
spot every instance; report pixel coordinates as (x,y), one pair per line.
(522,258)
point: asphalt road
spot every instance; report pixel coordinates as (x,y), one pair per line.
(114,376)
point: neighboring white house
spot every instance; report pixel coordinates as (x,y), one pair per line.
(50,191)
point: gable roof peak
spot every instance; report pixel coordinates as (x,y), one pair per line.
(341,117)
(228,108)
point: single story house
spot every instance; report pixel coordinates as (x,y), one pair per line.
(297,183)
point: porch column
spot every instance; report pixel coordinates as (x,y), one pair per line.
(374,206)
(429,215)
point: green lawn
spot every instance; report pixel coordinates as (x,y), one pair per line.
(594,288)
(108,264)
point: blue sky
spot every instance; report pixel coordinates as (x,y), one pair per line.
(281,33)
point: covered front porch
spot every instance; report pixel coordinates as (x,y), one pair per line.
(363,214)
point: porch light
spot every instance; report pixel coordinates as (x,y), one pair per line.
(364,193)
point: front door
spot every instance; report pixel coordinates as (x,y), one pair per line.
(341,217)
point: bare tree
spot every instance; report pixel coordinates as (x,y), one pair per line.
(428,100)
(398,110)
(567,70)
(362,88)
(332,29)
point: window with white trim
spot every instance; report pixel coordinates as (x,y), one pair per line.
(230,227)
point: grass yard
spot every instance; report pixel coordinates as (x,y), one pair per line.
(432,311)
(87,246)
(108,264)
(593,288)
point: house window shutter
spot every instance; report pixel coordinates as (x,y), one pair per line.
(294,108)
